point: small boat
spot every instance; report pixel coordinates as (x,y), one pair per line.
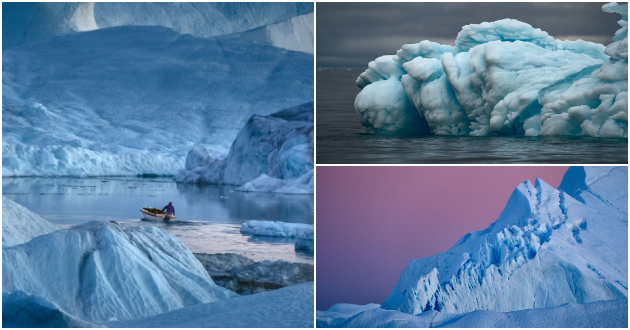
(152,214)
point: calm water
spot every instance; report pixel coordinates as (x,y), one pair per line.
(209,217)
(342,140)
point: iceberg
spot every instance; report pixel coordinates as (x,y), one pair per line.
(605,314)
(20,225)
(289,307)
(278,229)
(103,271)
(24,23)
(338,313)
(500,78)
(272,153)
(97,103)
(548,248)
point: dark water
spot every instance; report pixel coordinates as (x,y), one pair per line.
(342,140)
(209,217)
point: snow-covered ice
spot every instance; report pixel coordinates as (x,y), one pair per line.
(503,77)
(23,23)
(95,103)
(20,225)
(272,153)
(289,307)
(338,313)
(102,271)
(278,229)
(549,247)
(606,314)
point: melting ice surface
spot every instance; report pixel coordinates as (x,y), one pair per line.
(210,216)
(502,77)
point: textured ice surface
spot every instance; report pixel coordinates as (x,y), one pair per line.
(28,22)
(271,153)
(289,307)
(20,225)
(101,271)
(295,33)
(549,247)
(135,99)
(502,77)
(608,314)
(278,229)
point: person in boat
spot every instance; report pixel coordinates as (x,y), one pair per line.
(170,209)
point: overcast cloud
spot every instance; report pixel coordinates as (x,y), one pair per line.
(352,34)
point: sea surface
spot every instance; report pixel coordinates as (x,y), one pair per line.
(209,217)
(342,140)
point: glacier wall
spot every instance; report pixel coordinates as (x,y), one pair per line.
(272,153)
(28,22)
(503,77)
(549,247)
(130,100)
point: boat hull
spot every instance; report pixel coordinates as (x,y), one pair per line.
(156,217)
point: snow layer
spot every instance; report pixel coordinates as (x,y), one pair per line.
(609,314)
(549,247)
(271,153)
(20,225)
(338,313)
(23,310)
(98,103)
(278,229)
(101,271)
(290,307)
(28,22)
(503,77)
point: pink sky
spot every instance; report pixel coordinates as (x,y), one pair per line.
(372,220)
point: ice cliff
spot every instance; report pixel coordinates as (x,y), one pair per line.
(102,271)
(283,22)
(20,225)
(503,77)
(271,153)
(130,100)
(549,247)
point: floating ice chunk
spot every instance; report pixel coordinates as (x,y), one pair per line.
(271,153)
(20,225)
(198,156)
(338,313)
(501,78)
(102,271)
(278,229)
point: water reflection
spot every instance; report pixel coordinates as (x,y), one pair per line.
(209,217)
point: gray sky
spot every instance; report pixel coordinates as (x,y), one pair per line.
(352,34)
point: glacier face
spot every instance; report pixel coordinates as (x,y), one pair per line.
(20,225)
(102,271)
(134,99)
(28,22)
(503,77)
(549,247)
(272,153)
